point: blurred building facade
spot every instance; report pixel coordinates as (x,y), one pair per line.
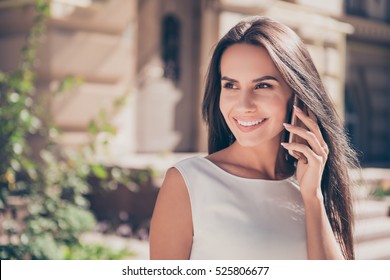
(155,53)
(367,91)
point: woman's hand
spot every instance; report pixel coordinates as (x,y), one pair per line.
(321,241)
(309,173)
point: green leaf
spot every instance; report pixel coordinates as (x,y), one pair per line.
(93,127)
(68,83)
(99,171)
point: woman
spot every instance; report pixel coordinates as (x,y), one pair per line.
(254,196)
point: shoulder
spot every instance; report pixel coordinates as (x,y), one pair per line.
(221,159)
(171,225)
(189,169)
(188,162)
(173,194)
(173,186)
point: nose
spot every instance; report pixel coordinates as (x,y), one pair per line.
(246,102)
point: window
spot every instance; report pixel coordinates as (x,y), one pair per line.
(373,9)
(355,7)
(170,46)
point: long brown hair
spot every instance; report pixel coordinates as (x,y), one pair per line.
(293,61)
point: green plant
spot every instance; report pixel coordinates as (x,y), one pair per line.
(44,198)
(17,114)
(95,252)
(380,191)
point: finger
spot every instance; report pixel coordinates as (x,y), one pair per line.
(290,152)
(298,156)
(324,146)
(310,121)
(309,136)
(293,154)
(304,149)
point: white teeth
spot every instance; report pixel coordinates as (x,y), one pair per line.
(250,123)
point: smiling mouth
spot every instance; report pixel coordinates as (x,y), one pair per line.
(250,123)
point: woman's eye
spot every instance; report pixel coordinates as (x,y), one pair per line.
(263,85)
(229,86)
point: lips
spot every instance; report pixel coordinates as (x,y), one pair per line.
(249,125)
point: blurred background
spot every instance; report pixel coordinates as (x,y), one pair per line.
(100,97)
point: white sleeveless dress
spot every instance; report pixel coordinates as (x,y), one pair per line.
(239,218)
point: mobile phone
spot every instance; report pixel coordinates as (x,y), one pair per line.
(297,122)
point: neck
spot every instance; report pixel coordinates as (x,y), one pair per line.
(267,160)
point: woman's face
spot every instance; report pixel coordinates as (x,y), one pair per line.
(254,96)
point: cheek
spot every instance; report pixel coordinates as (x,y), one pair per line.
(279,105)
(274,106)
(224,107)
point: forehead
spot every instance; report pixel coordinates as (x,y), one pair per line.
(247,60)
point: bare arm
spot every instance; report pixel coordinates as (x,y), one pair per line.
(171,226)
(321,242)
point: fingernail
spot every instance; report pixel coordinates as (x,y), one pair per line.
(287,125)
(283,144)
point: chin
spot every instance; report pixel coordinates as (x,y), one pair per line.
(258,141)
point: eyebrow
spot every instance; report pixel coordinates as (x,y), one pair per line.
(263,78)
